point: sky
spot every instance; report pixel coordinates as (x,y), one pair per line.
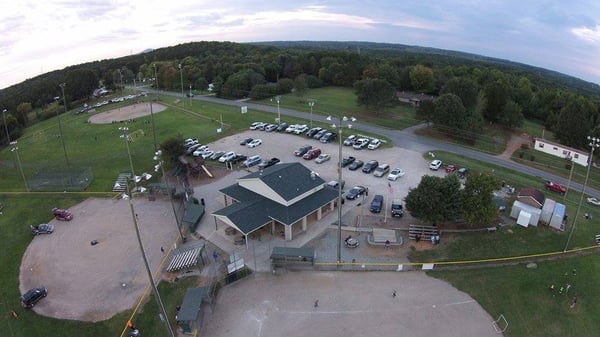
(41,36)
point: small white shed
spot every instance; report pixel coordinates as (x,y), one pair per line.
(547,210)
(557,220)
(533,212)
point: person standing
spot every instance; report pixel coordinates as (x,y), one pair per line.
(394,294)
(316,304)
(574,301)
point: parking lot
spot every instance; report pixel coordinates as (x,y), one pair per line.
(356,213)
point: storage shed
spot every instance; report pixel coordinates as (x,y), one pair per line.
(558,217)
(547,210)
(189,314)
(530,213)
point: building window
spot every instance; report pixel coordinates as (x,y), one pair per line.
(576,156)
(565,152)
(541,145)
(555,148)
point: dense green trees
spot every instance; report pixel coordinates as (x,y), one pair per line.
(374,93)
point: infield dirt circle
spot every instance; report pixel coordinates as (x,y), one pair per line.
(125,113)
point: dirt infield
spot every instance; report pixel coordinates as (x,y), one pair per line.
(94,282)
(125,113)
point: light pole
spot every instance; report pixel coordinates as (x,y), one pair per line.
(181,77)
(155,76)
(311,103)
(340,127)
(62,87)
(594,143)
(160,164)
(127,139)
(190,95)
(15,149)
(277,99)
(6,126)
(164,318)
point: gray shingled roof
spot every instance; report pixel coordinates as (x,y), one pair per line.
(253,210)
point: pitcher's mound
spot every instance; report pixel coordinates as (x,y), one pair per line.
(126,113)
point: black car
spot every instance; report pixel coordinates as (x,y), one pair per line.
(370,166)
(320,134)
(397,209)
(355,165)
(268,163)
(327,137)
(238,158)
(281,127)
(312,132)
(355,192)
(32,296)
(302,150)
(347,161)
(376,204)
(246,141)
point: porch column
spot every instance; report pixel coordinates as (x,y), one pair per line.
(319,213)
(304,222)
(288,233)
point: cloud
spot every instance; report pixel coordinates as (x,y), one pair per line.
(587,34)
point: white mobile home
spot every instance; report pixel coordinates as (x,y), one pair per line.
(558,150)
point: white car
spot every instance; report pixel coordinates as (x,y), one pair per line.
(207,153)
(360,143)
(395,174)
(227,156)
(322,158)
(254,143)
(350,140)
(593,201)
(300,129)
(291,128)
(435,165)
(270,127)
(199,151)
(255,125)
(374,144)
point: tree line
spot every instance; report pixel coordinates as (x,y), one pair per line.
(471,90)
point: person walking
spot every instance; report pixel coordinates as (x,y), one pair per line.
(394,294)
(574,301)
(316,305)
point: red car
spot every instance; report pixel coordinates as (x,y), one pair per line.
(450,168)
(555,187)
(312,154)
(62,214)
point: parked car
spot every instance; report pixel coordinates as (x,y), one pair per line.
(374,144)
(312,132)
(227,157)
(347,161)
(335,185)
(323,157)
(291,128)
(350,140)
(253,160)
(462,172)
(254,143)
(207,153)
(360,143)
(397,209)
(200,150)
(192,148)
(190,141)
(256,125)
(217,155)
(327,137)
(62,214)
(42,228)
(302,150)
(246,141)
(370,166)
(450,168)
(271,127)
(312,154)
(593,201)
(435,165)
(395,174)
(300,129)
(376,204)
(555,187)
(268,163)
(355,192)
(320,134)
(238,158)
(381,170)
(33,296)
(355,165)
(281,127)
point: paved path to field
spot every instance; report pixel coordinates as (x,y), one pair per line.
(350,304)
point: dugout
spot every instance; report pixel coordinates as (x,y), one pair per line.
(190,313)
(192,215)
(286,256)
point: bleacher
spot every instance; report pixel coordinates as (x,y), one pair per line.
(426,232)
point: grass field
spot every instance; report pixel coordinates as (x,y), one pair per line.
(517,292)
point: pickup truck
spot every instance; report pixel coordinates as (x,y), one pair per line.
(555,187)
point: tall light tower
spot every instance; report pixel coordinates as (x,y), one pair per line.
(160,164)
(155,77)
(340,127)
(6,126)
(278,99)
(181,77)
(190,95)
(594,143)
(15,149)
(129,196)
(311,103)
(62,87)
